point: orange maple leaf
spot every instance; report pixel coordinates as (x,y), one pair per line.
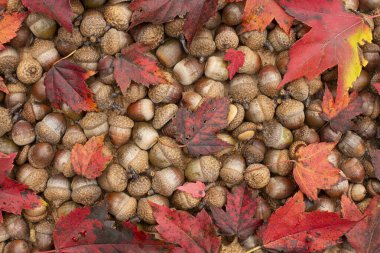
(313,171)
(9,25)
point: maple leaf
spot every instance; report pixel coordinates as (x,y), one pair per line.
(377,87)
(375,158)
(87,230)
(291,229)
(9,25)
(14,196)
(197,189)
(88,160)
(161,11)
(236,59)
(364,236)
(238,219)
(197,130)
(134,64)
(340,114)
(65,82)
(57,10)
(258,14)
(333,40)
(313,171)
(193,234)
(3,88)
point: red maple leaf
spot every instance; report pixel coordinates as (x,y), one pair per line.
(57,10)
(375,158)
(377,87)
(197,189)
(364,236)
(341,114)
(14,196)
(9,25)
(88,230)
(88,160)
(161,11)
(3,88)
(65,82)
(197,130)
(193,234)
(313,171)
(291,229)
(236,59)
(238,219)
(258,14)
(134,64)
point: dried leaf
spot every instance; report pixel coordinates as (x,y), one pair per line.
(236,59)
(377,87)
(197,130)
(14,197)
(88,160)
(313,171)
(375,158)
(193,234)
(134,64)
(258,14)
(158,12)
(364,237)
(3,88)
(9,25)
(65,83)
(333,40)
(197,189)
(291,229)
(238,219)
(57,10)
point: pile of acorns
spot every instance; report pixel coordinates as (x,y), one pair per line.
(264,124)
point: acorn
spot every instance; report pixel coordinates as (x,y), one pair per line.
(366,127)
(113,179)
(267,57)
(77,8)
(64,209)
(184,200)
(51,128)
(214,21)
(209,88)
(298,89)
(233,169)
(34,178)
(252,61)
(67,42)
(269,79)
(144,135)
(306,134)
(7,146)
(166,181)
(315,85)
(103,95)
(144,210)
(203,44)
(93,24)
(362,81)
(263,210)
(280,40)
(4,235)
(9,60)
(282,60)
(254,151)
(188,70)
(339,189)
(165,153)
(130,156)
(23,133)
(105,70)
(278,162)
(371,104)
(87,57)
(280,187)
(94,124)
(291,113)
(276,135)
(204,169)
(191,100)
(35,214)
(62,163)
(313,114)
(58,190)
(216,196)
(113,41)
(45,53)
(245,131)
(353,169)
(174,28)
(118,15)
(93,3)
(141,110)
(235,116)
(16,96)
(120,129)
(255,40)
(74,134)
(22,155)
(232,14)
(17,246)
(216,68)
(260,109)
(373,187)
(170,53)
(163,115)
(243,88)
(85,191)
(29,70)
(23,38)
(44,235)
(41,26)
(39,91)
(231,143)
(16,226)
(139,187)
(120,205)
(226,38)
(352,145)
(148,34)
(41,155)
(34,111)
(357,192)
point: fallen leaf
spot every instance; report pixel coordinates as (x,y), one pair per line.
(236,59)
(258,14)
(134,64)
(375,158)
(88,160)
(313,171)
(197,189)
(65,82)
(193,234)
(3,3)
(291,229)
(9,25)
(14,197)
(57,10)
(158,12)
(333,40)
(377,87)
(197,130)
(3,88)
(341,114)
(88,230)
(238,219)
(364,236)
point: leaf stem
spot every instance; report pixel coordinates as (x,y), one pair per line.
(67,56)
(374,16)
(253,249)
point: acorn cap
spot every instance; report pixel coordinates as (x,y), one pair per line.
(298,89)
(17,88)
(86,54)
(202,44)
(93,24)
(216,196)
(29,71)
(163,115)
(120,121)
(85,191)
(139,187)
(114,178)
(144,210)
(174,28)
(171,150)
(148,34)
(118,15)
(184,200)
(252,39)
(245,131)
(93,119)
(243,88)
(5,121)
(235,116)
